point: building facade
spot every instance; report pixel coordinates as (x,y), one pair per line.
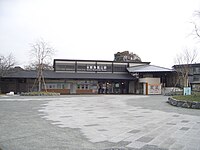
(93,77)
(193,75)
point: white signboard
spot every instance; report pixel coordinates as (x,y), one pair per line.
(187,91)
(154,89)
(96,68)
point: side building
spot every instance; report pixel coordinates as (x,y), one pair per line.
(193,75)
(93,77)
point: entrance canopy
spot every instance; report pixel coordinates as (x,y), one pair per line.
(148,68)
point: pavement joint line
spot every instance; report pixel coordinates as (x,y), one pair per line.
(167,125)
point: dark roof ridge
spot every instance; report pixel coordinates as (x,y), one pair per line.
(99,61)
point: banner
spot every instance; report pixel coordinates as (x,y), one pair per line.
(154,88)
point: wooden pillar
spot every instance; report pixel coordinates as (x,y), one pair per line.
(147,92)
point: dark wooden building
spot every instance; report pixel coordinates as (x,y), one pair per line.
(93,77)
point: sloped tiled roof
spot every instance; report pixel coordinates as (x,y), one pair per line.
(64,75)
(148,68)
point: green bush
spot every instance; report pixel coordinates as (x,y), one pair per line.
(40,94)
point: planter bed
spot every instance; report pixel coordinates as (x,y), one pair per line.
(183,103)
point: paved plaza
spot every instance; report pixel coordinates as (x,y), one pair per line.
(97,122)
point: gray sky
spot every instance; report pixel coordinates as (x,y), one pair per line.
(156,30)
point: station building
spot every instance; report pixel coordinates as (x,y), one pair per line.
(93,77)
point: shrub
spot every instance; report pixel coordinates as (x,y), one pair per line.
(40,94)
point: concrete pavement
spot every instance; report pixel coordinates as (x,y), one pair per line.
(96,122)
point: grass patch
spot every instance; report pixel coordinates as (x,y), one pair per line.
(194,97)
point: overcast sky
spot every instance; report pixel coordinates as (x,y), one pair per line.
(156,30)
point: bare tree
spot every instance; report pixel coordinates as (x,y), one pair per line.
(33,66)
(183,62)
(6,63)
(41,54)
(195,22)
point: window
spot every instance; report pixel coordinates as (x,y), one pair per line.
(81,67)
(60,67)
(70,67)
(82,86)
(196,78)
(65,67)
(197,70)
(119,68)
(59,86)
(51,86)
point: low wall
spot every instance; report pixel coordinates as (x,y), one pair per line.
(61,91)
(170,91)
(84,91)
(184,104)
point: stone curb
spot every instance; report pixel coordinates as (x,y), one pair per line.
(184,104)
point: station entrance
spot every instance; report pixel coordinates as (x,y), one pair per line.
(113,87)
